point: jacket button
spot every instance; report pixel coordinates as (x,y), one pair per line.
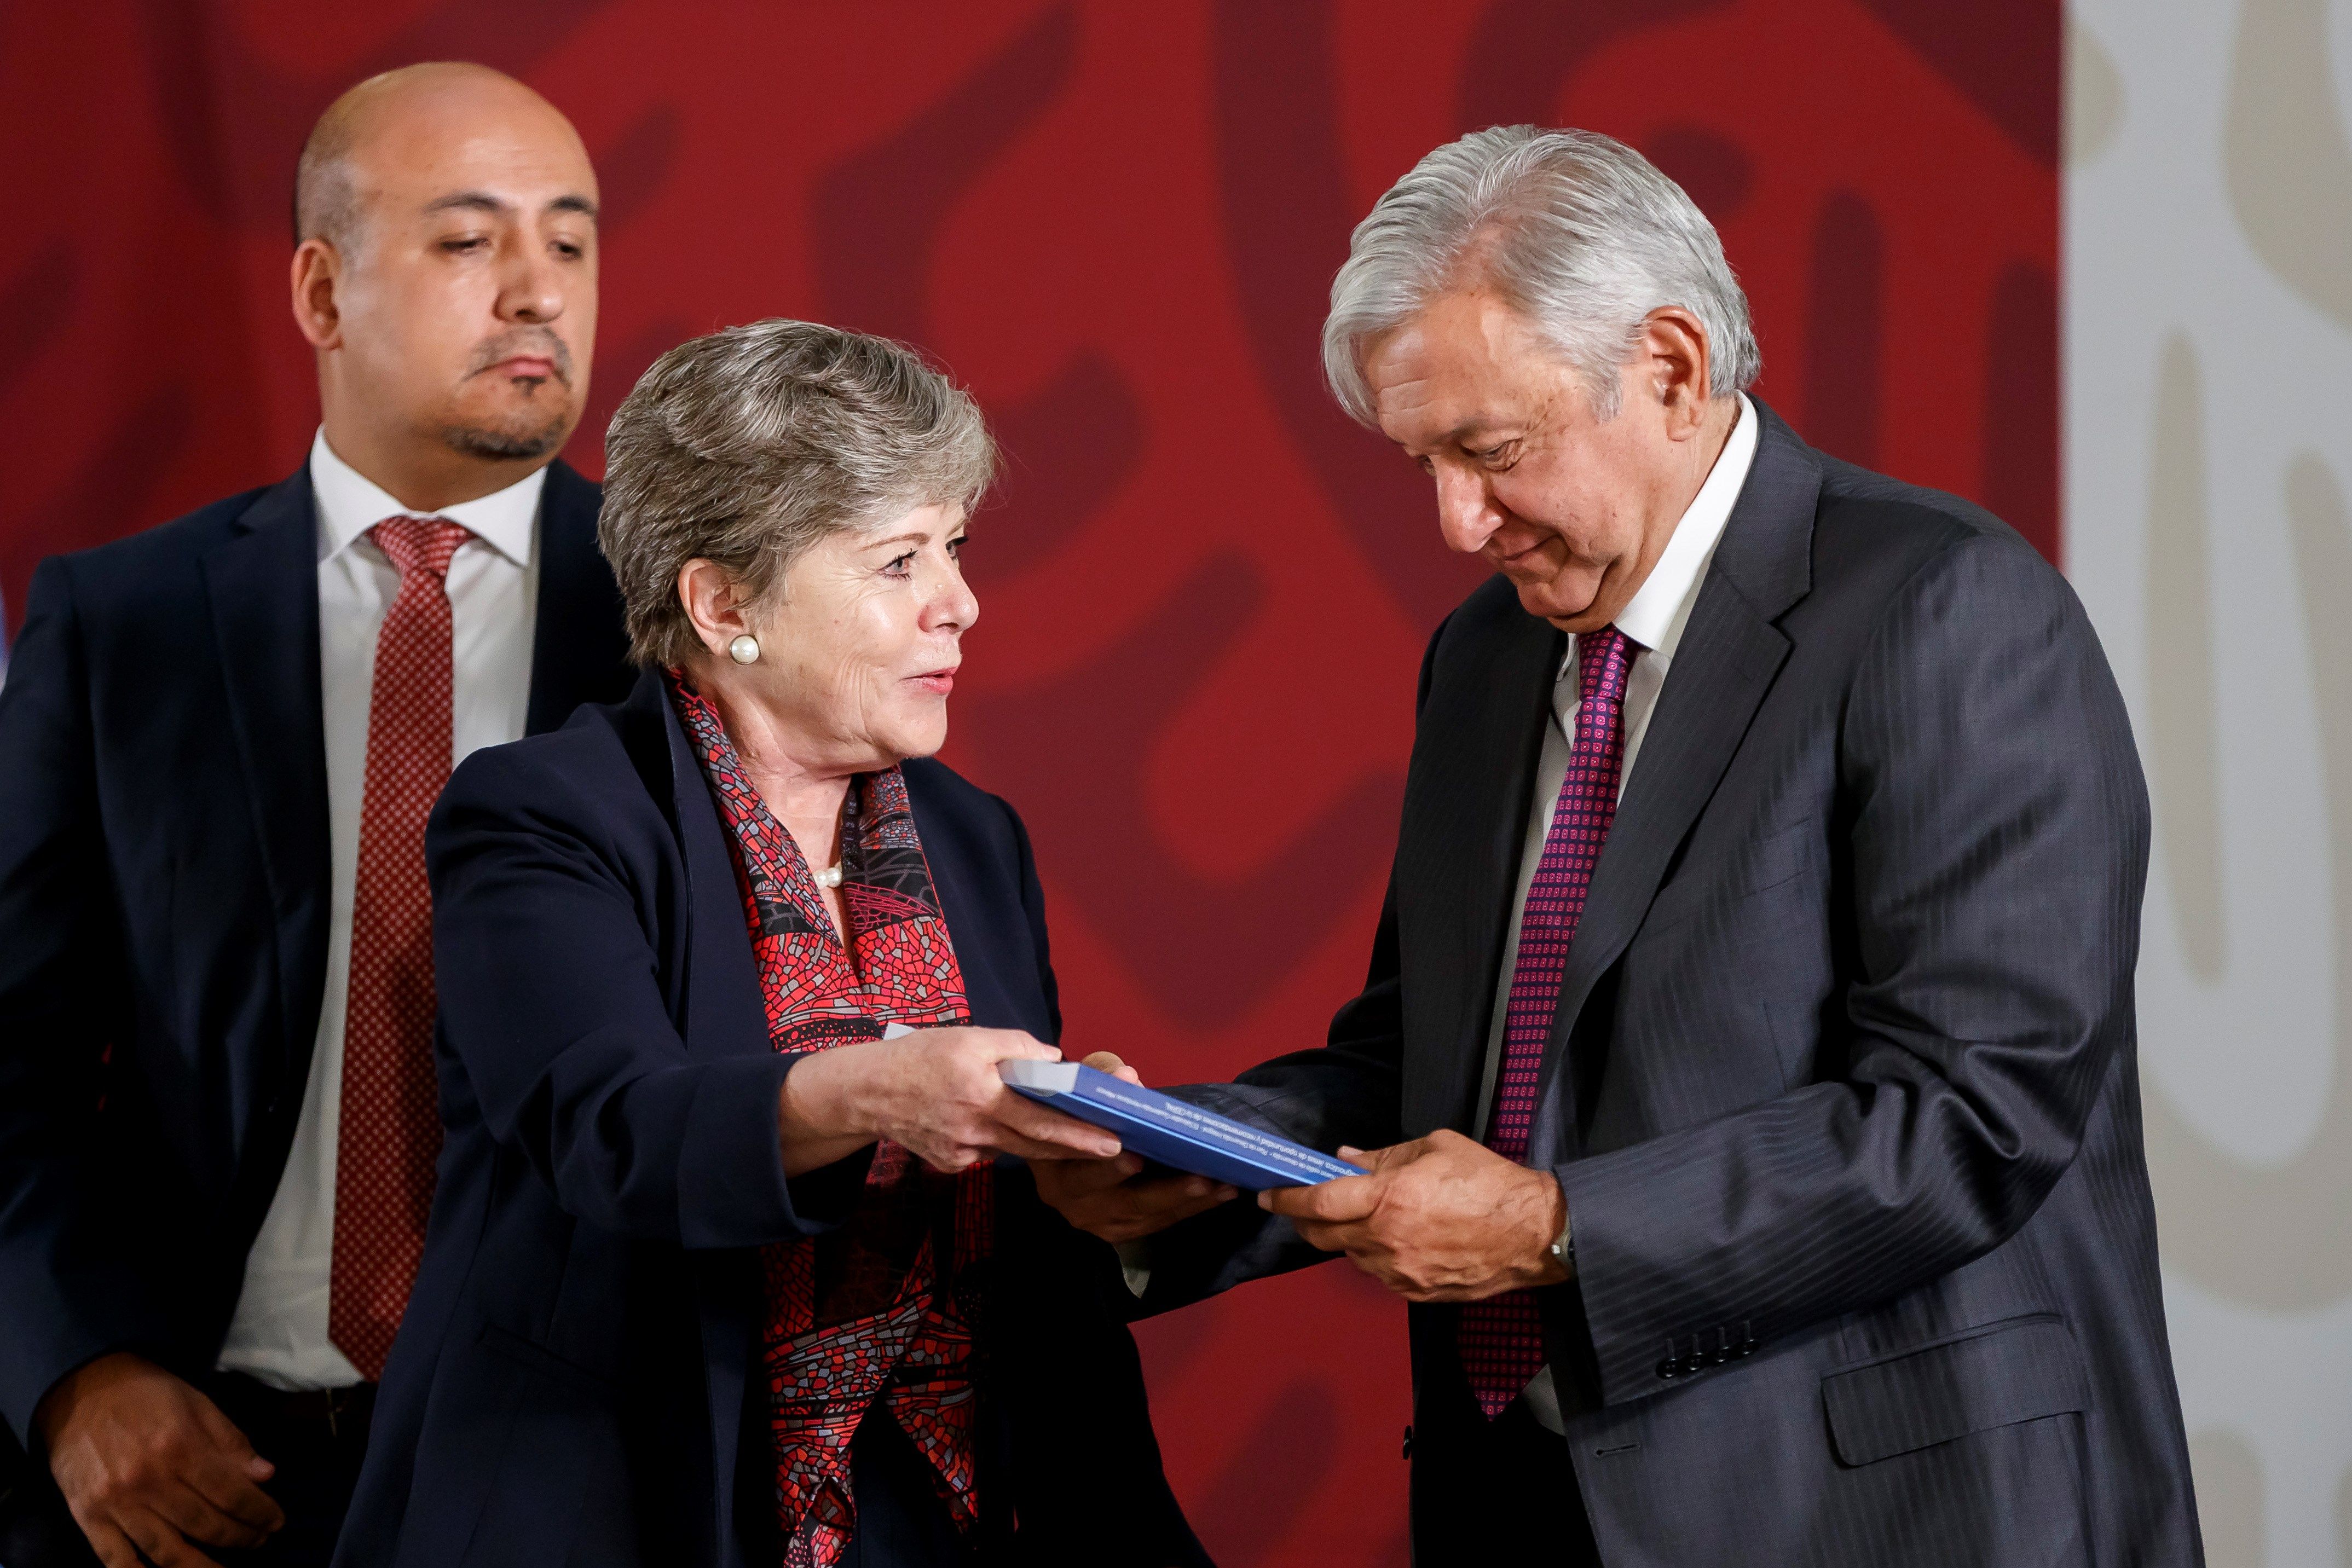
(1408,1444)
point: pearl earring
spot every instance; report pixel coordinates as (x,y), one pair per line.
(744,650)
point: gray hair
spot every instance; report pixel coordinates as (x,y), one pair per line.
(1580,234)
(747,446)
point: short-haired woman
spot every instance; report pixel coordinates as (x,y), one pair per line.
(723,1267)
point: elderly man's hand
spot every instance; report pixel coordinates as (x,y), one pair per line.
(1441,1219)
(1103,1199)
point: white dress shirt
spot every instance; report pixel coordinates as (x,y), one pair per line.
(1655,618)
(279,1332)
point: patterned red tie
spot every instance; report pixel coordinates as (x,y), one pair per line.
(390,1132)
(1501,1338)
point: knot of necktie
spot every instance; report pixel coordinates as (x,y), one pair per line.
(415,544)
(1605,659)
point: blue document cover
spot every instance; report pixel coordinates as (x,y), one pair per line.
(1161,1127)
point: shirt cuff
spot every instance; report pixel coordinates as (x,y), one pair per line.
(1135,1265)
(1542,1397)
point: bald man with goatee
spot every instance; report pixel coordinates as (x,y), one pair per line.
(218,743)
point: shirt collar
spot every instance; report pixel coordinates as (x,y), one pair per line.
(350,504)
(1662,605)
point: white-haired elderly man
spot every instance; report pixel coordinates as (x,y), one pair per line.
(1746,1059)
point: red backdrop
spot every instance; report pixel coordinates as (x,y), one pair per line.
(1205,591)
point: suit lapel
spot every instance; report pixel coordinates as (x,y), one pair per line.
(717,1006)
(1467,816)
(1729,657)
(579,652)
(263,588)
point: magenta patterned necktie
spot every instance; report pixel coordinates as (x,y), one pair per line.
(1501,1338)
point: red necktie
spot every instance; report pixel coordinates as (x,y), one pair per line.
(1501,1338)
(390,1132)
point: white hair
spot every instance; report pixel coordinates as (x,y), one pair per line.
(1577,233)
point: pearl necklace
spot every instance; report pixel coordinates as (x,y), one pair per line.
(830,876)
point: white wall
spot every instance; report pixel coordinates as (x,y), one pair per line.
(2208,468)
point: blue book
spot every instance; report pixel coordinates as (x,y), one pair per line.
(1163,1128)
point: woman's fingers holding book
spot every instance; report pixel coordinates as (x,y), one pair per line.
(1047,1135)
(938,1092)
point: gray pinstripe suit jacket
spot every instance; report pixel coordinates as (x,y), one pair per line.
(1843,1091)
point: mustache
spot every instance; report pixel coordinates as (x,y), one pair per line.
(538,342)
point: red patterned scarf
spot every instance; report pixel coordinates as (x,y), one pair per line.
(883,1308)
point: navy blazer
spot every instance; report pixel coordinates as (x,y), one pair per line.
(163,909)
(1842,1085)
(578,1367)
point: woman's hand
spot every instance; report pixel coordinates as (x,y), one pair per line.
(937,1092)
(1103,1197)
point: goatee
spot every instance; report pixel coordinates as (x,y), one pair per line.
(505,445)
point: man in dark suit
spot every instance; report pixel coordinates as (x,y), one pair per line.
(1748,1051)
(218,741)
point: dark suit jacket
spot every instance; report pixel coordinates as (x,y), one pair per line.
(1842,1089)
(570,1384)
(164,891)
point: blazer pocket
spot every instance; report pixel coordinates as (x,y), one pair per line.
(1998,1376)
(529,1354)
(1781,855)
